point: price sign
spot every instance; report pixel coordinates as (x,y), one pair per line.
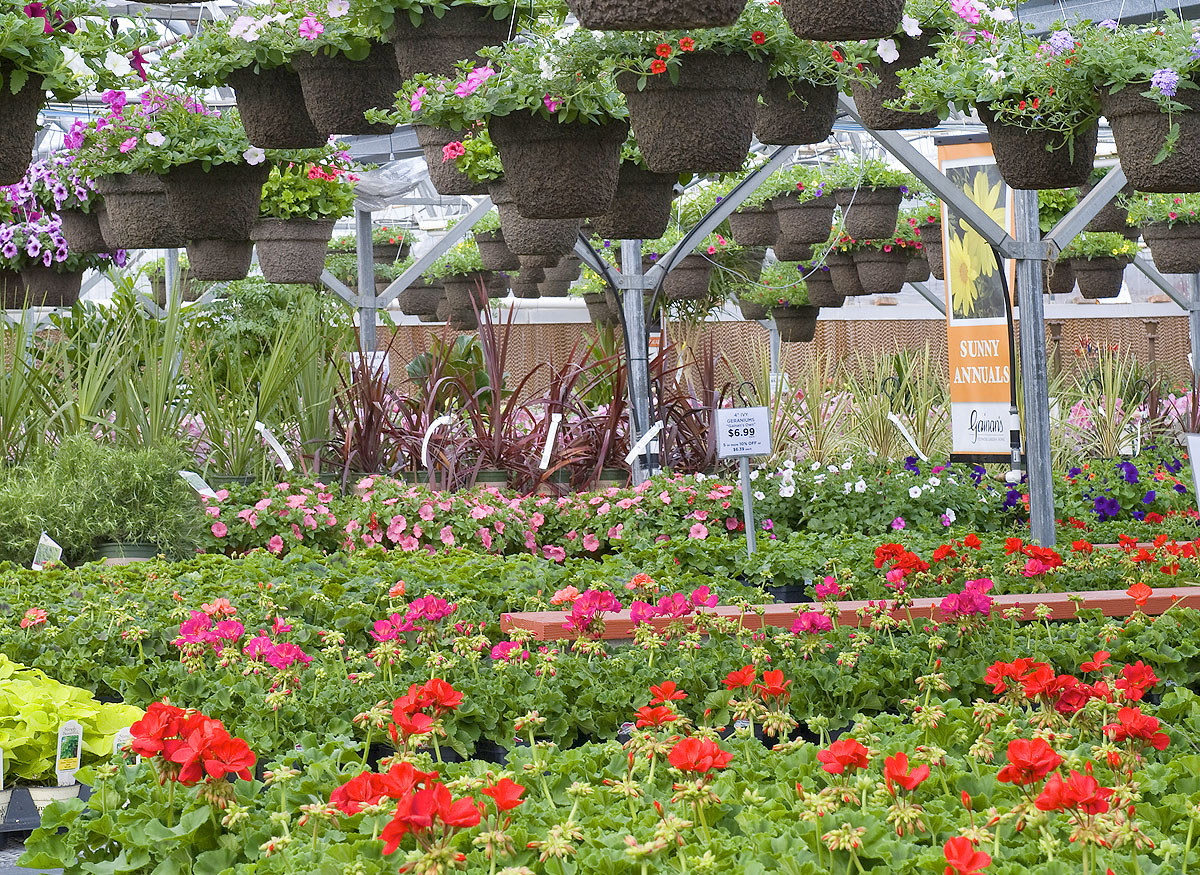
(743,432)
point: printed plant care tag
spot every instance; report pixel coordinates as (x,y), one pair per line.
(275,446)
(70,750)
(47,550)
(120,744)
(194,480)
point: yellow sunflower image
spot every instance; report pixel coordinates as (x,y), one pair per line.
(970,265)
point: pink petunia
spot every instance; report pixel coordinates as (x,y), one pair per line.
(447,536)
(698,531)
(275,545)
(219,530)
(591,543)
(310,28)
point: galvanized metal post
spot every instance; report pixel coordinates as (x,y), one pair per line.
(1194,327)
(366,279)
(1035,378)
(639,353)
(747,504)
(776,349)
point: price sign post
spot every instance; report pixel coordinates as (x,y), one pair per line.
(743,432)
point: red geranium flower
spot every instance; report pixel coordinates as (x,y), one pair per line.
(1133,724)
(1078,792)
(971,540)
(773,686)
(963,859)
(1029,760)
(1135,680)
(359,791)
(1097,663)
(161,721)
(441,695)
(410,725)
(658,66)
(743,678)
(843,754)
(895,769)
(1140,593)
(666,692)
(698,755)
(506,793)
(660,715)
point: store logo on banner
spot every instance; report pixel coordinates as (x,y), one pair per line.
(978,338)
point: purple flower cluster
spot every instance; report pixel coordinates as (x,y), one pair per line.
(1106,507)
(1061,41)
(1165,82)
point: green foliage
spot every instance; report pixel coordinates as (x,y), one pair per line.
(781,283)
(1053,204)
(1168,209)
(1092,244)
(462,259)
(310,190)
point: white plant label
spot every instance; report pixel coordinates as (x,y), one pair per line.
(643,442)
(47,550)
(743,432)
(69,752)
(378,364)
(194,480)
(275,446)
(437,423)
(895,420)
(1193,448)
(548,450)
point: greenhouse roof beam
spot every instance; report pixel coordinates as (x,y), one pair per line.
(1043,14)
(1147,267)
(928,294)
(1070,225)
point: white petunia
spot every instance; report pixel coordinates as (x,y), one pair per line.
(847,487)
(911,26)
(787,491)
(76,63)
(950,515)
(914,492)
(861,485)
(816,466)
(254,155)
(242,25)
(116,64)
(154,138)
(1001,13)
(754,474)
(847,465)
(699,475)
(934,481)
(759,496)
(833,469)
(337,8)
(887,51)
(789,464)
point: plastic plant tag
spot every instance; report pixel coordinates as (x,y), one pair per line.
(70,749)
(440,421)
(548,450)
(121,742)
(194,480)
(275,446)
(47,551)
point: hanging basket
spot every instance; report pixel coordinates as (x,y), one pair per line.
(1058,278)
(530,263)
(879,272)
(598,310)
(795,324)
(82,230)
(292,251)
(553,288)
(440,43)
(844,275)
(444,175)
(871,100)
(526,289)
(655,14)
(389,253)
(705,121)
(493,253)
(831,20)
(803,222)
(1176,248)
(559,171)
(1038,160)
(1140,128)
(497,284)
(47,287)
(754,226)
(135,214)
(931,247)
(463,320)
(219,260)
(217,204)
(18,124)
(271,106)
(338,91)
(641,207)
(752,312)
(462,290)
(918,270)
(568,269)
(820,289)
(786,251)
(869,213)
(526,236)
(1112,218)
(689,279)
(795,113)
(1099,277)
(420,299)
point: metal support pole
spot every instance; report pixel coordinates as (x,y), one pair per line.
(1035,379)
(1194,327)
(776,349)
(366,279)
(938,302)
(747,504)
(639,353)
(172,279)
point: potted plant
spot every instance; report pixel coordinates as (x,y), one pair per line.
(783,294)
(1053,204)
(691,277)
(869,193)
(1039,106)
(420,298)
(459,162)
(490,240)
(693,95)
(301,202)
(654,14)
(1170,225)
(881,264)
(843,275)
(641,206)
(1146,76)
(55,182)
(526,236)
(464,278)
(1099,261)
(156,273)
(799,103)
(389,243)
(435,38)
(595,294)
(1114,216)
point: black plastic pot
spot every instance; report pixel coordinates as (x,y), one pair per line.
(754,226)
(1176,249)
(18,124)
(803,221)
(641,207)
(444,175)
(869,213)
(1037,159)
(689,279)
(339,91)
(135,214)
(795,113)
(1140,129)
(219,260)
(655,14)
(271,106)
(440,43)
(1099,277)
(879,272)
(47,287)
(795,324)
(82,231)
(292,251)
(526,236)
(870,101)
(216,204)
(831,20)
(559,171)
(702,123)
(493,253)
